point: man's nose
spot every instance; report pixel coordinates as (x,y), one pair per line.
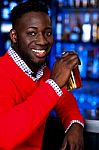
(41,39)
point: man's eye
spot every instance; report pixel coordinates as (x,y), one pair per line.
(32,33)
(49,33)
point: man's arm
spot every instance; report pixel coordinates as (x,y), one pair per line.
(19,121)
(74,139)
(67,107)
(68,111)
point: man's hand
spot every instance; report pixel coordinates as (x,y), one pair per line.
(63,66)
(74,138)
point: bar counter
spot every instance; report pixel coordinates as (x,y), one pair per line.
(91,134)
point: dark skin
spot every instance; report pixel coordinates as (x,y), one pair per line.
(29,34)
(32,39)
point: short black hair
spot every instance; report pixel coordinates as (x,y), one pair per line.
(28,6)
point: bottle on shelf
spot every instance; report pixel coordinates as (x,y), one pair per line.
(93,3)
(66,27)
(86,28)
(77,3)
(85,3)
(71,4)
(82,51)
(59,27)
(94,27)
(75,26)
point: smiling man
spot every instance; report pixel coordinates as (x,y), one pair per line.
(28,90)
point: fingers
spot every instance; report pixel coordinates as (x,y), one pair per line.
(75,146)
(71,146)
(68,52)
(71,54)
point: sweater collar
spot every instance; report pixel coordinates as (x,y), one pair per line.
(18,60)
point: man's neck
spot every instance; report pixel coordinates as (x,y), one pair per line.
(33,66)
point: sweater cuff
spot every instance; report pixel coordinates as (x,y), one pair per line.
(55,87)
(72,122)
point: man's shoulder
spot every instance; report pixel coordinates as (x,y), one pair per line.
(4,59)
(6,64)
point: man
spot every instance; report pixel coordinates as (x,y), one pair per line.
(28,91)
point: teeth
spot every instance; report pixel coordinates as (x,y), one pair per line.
(38,51)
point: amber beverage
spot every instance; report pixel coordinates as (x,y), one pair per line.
(74,80)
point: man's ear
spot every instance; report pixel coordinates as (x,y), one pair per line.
(13,35)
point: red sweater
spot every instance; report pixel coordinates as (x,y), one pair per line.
(25,105)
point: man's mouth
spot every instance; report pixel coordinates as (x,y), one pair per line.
(39,53)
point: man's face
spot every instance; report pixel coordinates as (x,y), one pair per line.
(33,37)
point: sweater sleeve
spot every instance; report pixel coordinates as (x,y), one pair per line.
(19,121)
(67,110)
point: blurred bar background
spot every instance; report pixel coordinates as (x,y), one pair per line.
(75,27)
